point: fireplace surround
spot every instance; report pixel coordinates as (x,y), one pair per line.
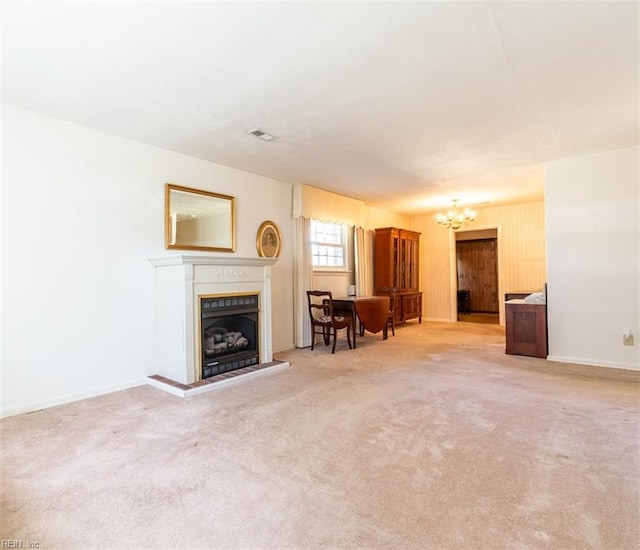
(185,283)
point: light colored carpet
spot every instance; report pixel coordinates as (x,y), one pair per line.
(432,439)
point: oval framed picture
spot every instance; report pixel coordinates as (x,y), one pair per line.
(268,240)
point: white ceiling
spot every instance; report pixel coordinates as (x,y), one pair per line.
(403,105)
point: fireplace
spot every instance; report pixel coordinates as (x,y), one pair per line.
(191,292)
(228,333)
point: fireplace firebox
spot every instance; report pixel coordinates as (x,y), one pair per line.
(229,333)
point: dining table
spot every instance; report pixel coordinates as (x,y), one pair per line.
(372,312)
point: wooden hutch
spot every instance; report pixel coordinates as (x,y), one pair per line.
(396,265)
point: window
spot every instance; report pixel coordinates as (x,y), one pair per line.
(328,245)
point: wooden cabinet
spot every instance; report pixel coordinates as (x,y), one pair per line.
(526,328)
(515,295)
(411,306)
(396,265)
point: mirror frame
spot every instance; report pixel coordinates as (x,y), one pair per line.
(169,187)
(268,226)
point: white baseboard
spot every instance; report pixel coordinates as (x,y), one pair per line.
(281,350)
(69,398)
(593,362)
(437,320)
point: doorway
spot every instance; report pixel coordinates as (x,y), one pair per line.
(477,276)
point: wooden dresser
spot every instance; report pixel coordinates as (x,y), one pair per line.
(396,265)
(526,328)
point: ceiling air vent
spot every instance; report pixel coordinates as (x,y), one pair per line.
(262,134)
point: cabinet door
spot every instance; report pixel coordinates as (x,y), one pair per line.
(412,264)
(411,306)
(526,330)
(398,316)
(409,246)
(396,255)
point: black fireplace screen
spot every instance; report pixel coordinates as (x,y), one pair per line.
(229,338)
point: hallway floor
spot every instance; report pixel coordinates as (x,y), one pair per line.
(476,317)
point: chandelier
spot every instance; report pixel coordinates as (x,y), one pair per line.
(455,218)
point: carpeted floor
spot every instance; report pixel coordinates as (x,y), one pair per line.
(432,439)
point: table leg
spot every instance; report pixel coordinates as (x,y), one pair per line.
(353,321)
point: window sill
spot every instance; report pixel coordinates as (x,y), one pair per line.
(323,271)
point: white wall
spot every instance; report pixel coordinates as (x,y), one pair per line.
(83,211)
(593,250)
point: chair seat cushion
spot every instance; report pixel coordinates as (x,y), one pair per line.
(327,319)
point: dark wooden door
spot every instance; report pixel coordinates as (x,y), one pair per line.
(477,263)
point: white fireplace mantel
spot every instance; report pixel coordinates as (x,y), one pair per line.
(180,281)
(193,259)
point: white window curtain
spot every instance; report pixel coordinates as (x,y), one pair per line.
(302,281)
(363,262)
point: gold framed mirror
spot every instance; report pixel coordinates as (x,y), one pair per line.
(198,220)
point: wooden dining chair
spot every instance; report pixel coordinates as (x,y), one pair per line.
(390,291)
(325,320)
